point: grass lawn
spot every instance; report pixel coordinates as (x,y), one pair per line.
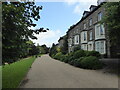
(13,74)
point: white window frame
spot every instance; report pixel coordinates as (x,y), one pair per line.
(91,35)
(98,33)
(100,46)
(99,16)
(83,34)
(84,46)
(76,39)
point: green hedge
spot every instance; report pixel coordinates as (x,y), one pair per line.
(91,62)
(93,53)
(58,56)
(81,58)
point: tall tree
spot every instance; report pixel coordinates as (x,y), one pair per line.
(53,50)
(16,18)
(44,49)
(112,21)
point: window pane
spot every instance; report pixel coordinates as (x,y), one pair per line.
(99,16)
(84,36)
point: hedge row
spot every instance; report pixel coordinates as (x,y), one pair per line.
(81,58)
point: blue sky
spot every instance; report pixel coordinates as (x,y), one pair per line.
(58,17)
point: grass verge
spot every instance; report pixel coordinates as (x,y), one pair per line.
(13,74)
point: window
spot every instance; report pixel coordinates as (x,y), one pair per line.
(84,25)
(90,35)
(90,22)
(76,39)
(84,46)
(99,16)
(99,31)
(90,47)
(100,46)
(84,36)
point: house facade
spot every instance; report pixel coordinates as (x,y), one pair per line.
(61,42)
(89,34)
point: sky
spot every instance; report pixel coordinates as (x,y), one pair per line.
(58,17)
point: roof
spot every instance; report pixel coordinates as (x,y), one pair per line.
(92,6)
(61,38)
(86,12)
(83,18)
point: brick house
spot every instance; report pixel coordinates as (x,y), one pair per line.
(89,34)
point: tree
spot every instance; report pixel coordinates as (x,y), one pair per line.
(17,17)
(112,21)
(44,49)
(53,50)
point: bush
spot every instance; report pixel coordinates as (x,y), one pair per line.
(70,59)
(93,53)
(77,48)
(71,54)
(63,58)
(77,62)
(71,62)
(91,62)
(58,56)
(78,54)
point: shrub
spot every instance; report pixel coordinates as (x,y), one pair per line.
(78,54)
(70,59)
(71,54)
(76,48)
(91,62)
(58,56)
(63,58)
(93,53)
(77,62)
(52,55)
(71,62)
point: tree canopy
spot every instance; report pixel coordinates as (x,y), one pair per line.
(112,21)
(17,17)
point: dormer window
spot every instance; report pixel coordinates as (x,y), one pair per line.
(85,13)
(92,7)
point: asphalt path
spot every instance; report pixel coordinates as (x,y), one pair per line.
(50,73)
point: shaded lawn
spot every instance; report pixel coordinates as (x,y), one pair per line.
(13,74)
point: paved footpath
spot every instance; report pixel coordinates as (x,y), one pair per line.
(49,73)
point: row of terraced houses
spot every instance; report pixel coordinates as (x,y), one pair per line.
(89,34)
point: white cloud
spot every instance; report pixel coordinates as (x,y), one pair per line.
(80,5)
(48,37)
(77,9)
(72,2)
